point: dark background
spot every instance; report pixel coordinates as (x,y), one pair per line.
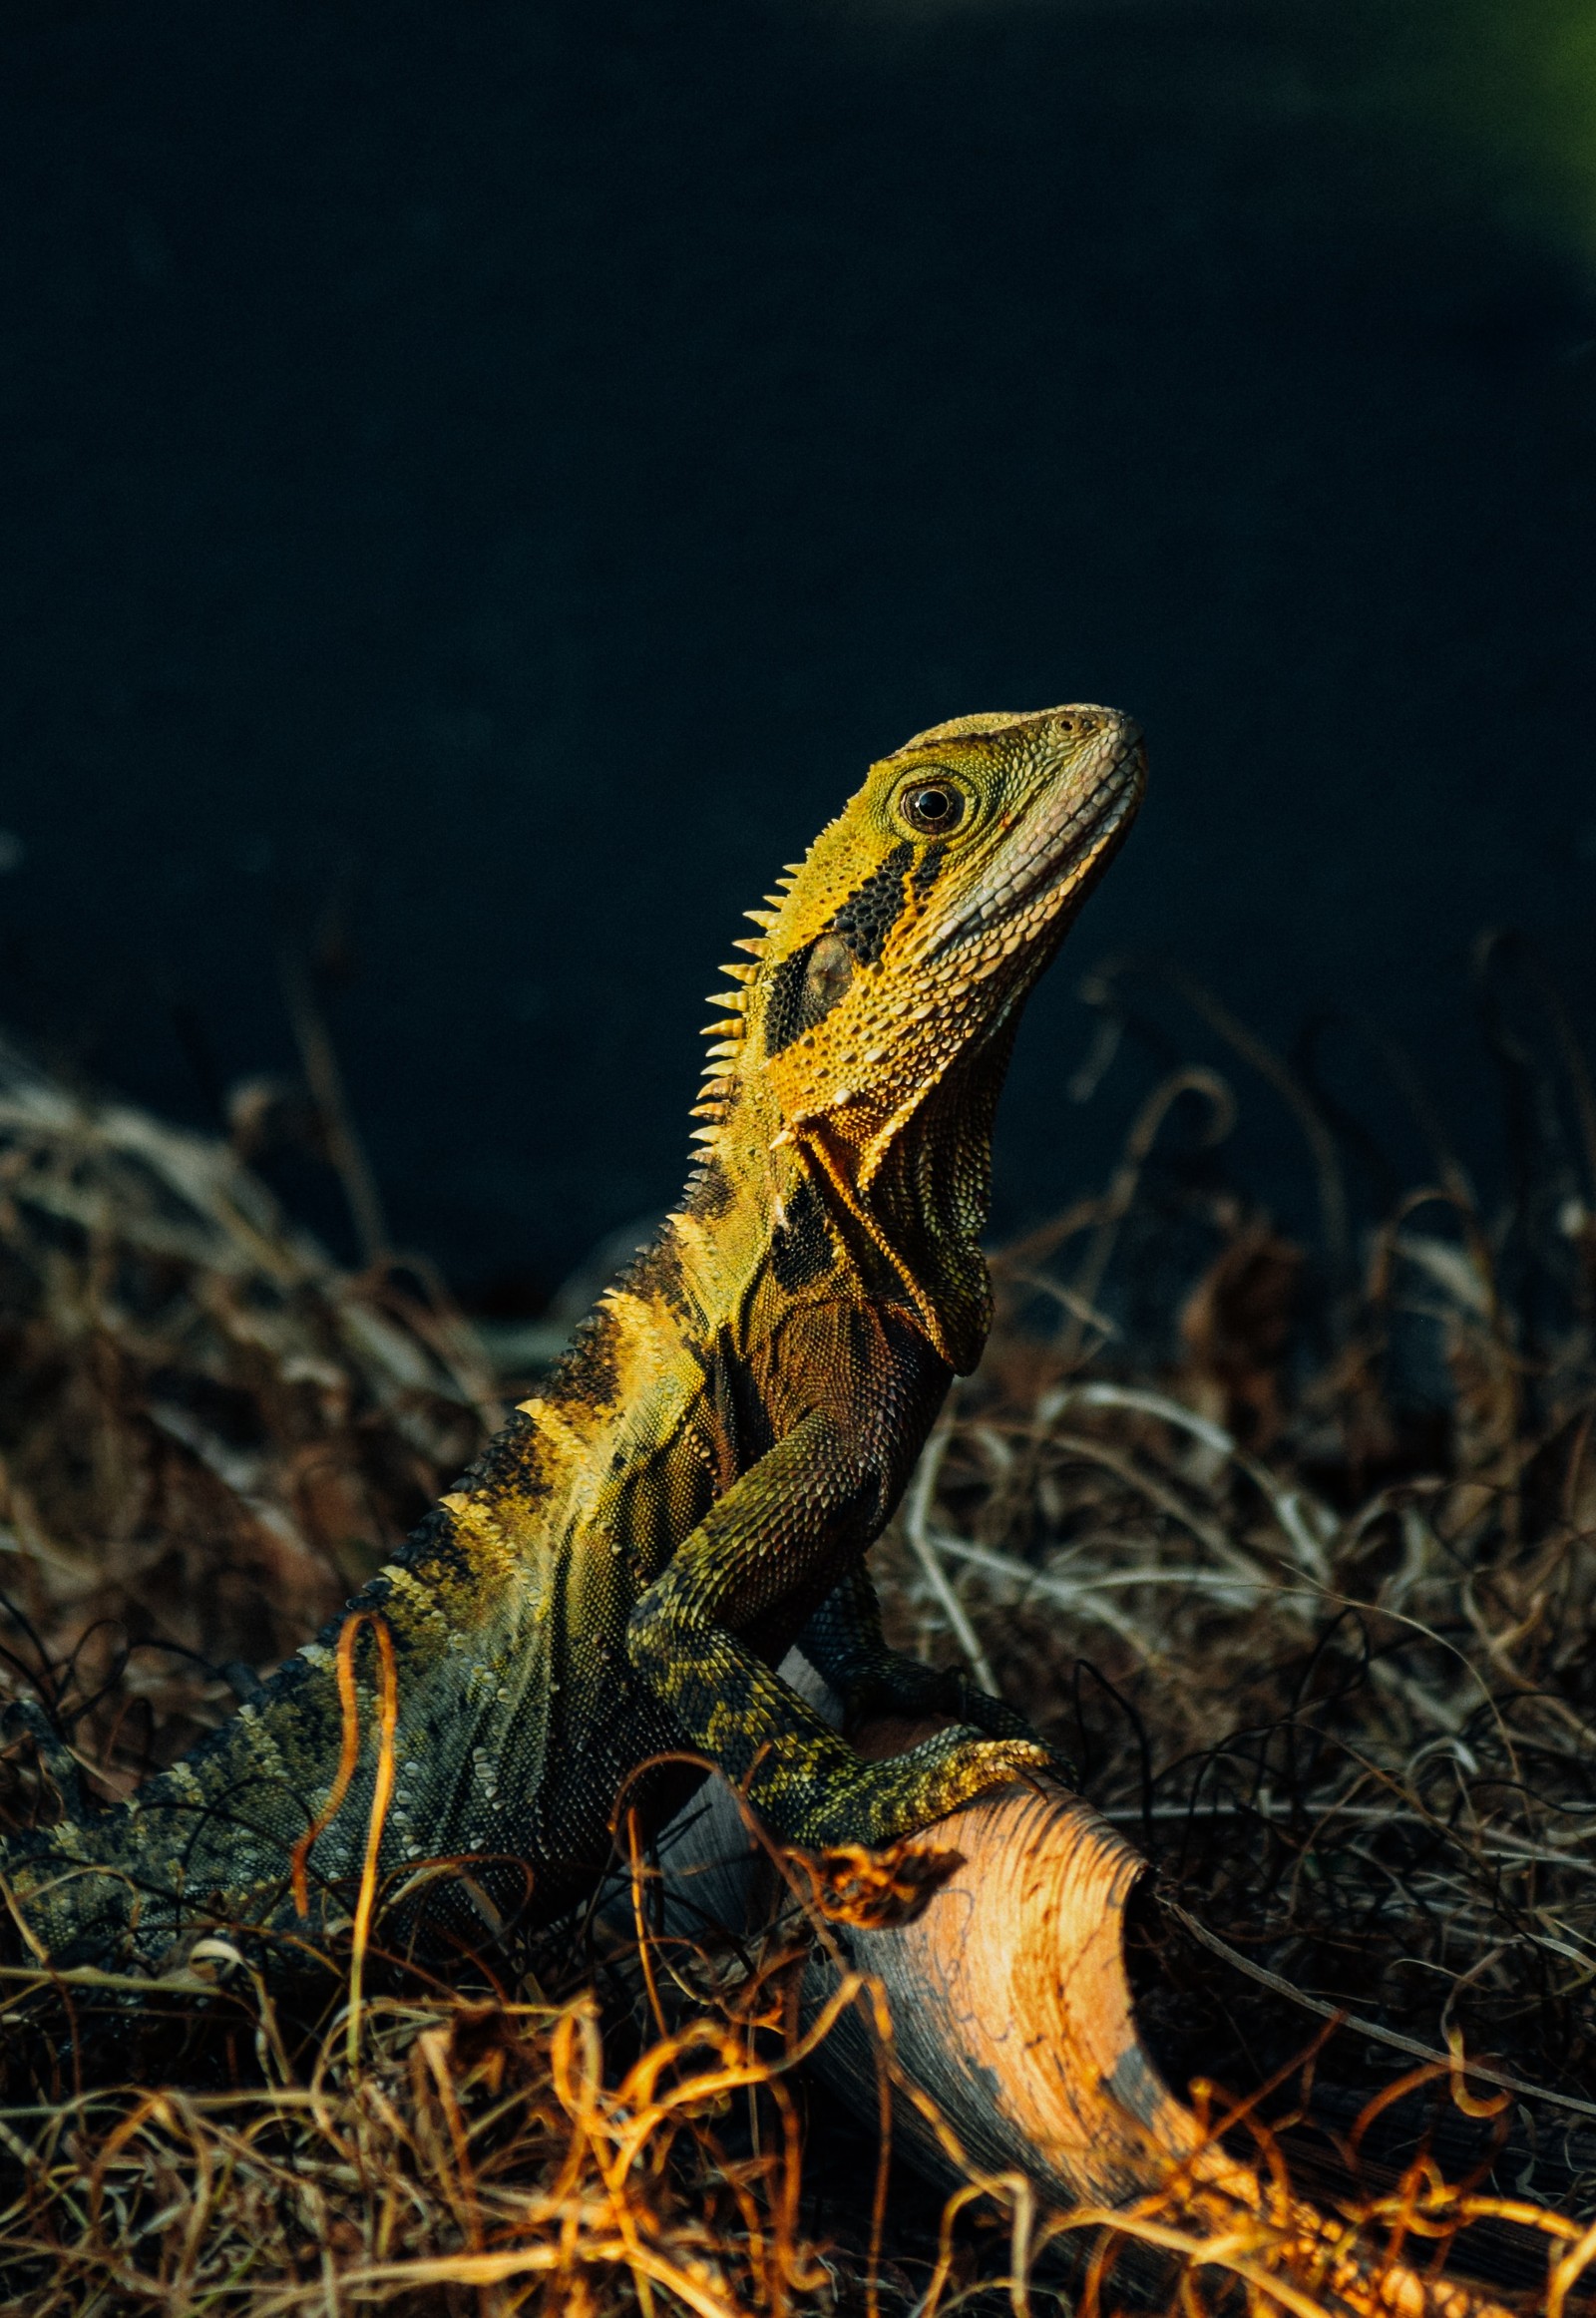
(480,481)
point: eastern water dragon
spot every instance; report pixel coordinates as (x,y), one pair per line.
(696,1486)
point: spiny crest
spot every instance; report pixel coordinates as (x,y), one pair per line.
(727,1028)
(727,1024)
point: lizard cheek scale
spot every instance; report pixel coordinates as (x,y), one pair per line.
(697,1485)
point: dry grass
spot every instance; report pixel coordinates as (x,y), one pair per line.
(1292,1543)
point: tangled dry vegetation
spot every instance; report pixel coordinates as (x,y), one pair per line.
(1289,1540)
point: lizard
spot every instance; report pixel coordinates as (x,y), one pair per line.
(696,1487)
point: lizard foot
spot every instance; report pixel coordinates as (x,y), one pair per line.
(877,1804)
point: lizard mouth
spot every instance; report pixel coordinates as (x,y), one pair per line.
(1067,834)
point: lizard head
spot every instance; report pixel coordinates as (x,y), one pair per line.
(910,936)
(890,966)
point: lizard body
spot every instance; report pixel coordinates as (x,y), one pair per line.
(696,1486)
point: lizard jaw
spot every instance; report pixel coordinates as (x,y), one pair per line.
(1056,849)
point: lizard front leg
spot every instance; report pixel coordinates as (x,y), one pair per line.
(844,1643)
(787,1519)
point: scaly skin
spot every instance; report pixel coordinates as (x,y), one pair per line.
(698,1484)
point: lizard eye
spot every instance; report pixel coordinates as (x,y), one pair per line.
(934,808)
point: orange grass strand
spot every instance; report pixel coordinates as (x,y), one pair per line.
(639,1919)
(497,2268)
(152,2104)
(432,2048)
(1568,2272)
(381,1797)
(575,2032)
(789,2184)
(613,2158)
(348,1755)
(874,1995)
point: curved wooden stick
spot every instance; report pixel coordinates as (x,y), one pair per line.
(1011,2010)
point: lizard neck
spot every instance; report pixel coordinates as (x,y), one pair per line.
(789,1208)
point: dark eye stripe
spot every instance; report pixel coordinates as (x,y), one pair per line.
(784,1016)
(869,914)
(927,869)
(806,987)
(864,921)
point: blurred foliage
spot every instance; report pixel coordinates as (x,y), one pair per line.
(1472,96)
